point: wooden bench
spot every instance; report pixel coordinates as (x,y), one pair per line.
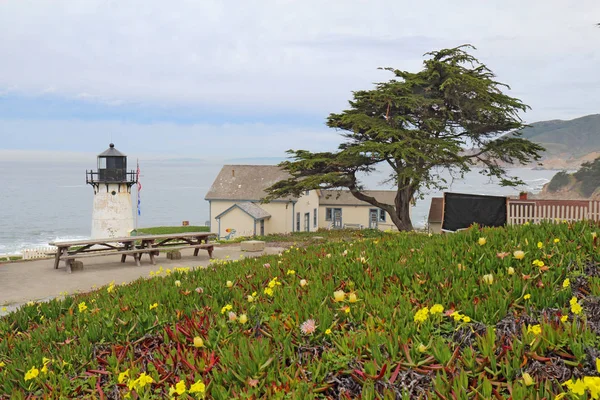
(353,226)
(136,253)
(206,246)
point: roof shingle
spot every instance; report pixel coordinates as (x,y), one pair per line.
(245,182)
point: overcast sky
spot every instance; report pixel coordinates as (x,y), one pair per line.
(202,78)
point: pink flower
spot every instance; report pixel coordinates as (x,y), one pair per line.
(267,265)
(308,327)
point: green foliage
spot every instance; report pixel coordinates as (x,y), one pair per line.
(165,230)
(417,123)
(558,181)
(300,237)
(375,350)
(589,176)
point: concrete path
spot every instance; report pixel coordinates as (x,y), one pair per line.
(21,282)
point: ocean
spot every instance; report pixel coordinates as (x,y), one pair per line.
(45,201)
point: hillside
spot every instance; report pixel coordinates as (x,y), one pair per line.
(568,143)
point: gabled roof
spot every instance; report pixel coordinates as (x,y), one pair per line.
(249,208)
(111,152)
(345,198)
(245,182)
(435,210)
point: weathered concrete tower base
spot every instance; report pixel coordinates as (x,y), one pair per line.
(112,215)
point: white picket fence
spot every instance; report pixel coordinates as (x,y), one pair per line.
(520,212)
(38,252)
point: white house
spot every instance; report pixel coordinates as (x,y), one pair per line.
(235,208)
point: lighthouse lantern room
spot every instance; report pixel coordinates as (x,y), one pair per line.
(112,215)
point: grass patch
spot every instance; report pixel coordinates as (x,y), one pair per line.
(166,230)
(492,313)
(307,237)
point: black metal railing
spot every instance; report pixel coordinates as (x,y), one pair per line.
(110,176)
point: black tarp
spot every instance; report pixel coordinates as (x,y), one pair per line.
(462,210)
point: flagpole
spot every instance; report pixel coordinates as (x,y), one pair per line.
(137,211)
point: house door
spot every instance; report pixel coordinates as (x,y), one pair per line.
(262,227)
(373,218)
(337,218)
(307,222)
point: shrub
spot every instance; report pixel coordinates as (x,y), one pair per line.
(559,181)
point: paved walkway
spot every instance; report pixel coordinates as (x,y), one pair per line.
(21,282)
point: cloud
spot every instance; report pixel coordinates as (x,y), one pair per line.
(278,57)
(161,140)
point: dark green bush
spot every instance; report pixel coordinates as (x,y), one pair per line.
(559,181)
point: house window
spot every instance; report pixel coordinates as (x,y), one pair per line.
(315,217)
(381,215)
(297,222)
(328,214)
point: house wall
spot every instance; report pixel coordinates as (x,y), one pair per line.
(308,204)
(280,221)
(238,220)
(355,215)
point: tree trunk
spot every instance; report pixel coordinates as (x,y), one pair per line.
(401,217)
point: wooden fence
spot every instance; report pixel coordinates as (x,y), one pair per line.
(520,212)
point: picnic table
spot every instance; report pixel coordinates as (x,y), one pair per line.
(134,246)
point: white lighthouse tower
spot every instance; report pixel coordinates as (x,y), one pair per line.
(113,212)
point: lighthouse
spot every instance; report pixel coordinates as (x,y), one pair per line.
(112,214)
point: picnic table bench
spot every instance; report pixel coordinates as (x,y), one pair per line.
(134,246)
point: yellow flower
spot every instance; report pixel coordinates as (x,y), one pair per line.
(482,241)
(577,387)
(488,278)
(556,240)
(527,296)
(456,315)
(461,267)
(82,306)
(303,282)
(466,319)
(226,308)
(564,318)
(111,287)
(268,292)
(243,319)
(229,284)
(422,348)
(519,254)
(535,329)
(352,298)
(178,283)
(274,282)
(339,295)
(566,283)
(198,342)
(153,306)
(2,364)
(197,387)
(527,379)
(576,307)
(347,310)
(594,235)
(291,272)
(250,298)
(143,380)
(511,271)
(44,369)
(436,309)
(598,365)
(328,331)
(538,263)
(421,315)
(179,388)
(123,376)
(31,374)
(540,245)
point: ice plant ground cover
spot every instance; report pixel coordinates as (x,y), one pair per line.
(401,316)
